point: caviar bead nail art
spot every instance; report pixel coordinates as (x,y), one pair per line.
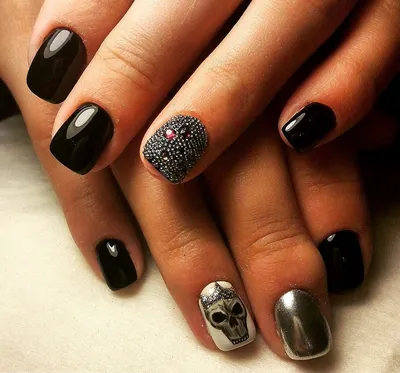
(228,321)
(175,148)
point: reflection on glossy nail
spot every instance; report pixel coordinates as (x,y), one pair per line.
(303,329)
(116,264)
(309,126)
(80,141)
(57,66)
(343,260)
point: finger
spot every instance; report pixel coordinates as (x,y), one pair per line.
(330,194)
(283,273)
(65,37)
(190,254)
(96,215)
(136,66)
(377,130)
(339,93)
(235,82)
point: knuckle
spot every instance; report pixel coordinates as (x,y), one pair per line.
(184,243)
(131,60)
(226,78)
(366,88)
(327,187)
(274,237)
(329,6)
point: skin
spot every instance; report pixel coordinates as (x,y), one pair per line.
(133,62)
(272,214)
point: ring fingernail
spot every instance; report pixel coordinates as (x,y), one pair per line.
(343,260)
(309,126)
(228,321)
(303,329)
(175,148)
(80,141)
(57,66)
(116,264)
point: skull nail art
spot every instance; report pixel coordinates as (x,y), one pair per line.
(175,148)
(227,319)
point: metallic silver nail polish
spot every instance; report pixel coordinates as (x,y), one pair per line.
(175,147)
(303,329)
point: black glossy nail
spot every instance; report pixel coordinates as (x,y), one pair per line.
(57,66)
(343,259)
(116,264)
(309,126)
(80,141)
(175,147)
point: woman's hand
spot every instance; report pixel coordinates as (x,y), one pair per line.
(273,219)
(137,51)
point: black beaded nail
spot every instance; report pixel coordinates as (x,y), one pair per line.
(80,141)
(309,126)
(116,264)
(343,259)
(57,66)
(175,148)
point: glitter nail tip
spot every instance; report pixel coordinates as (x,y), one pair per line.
(175,147)
(228,321)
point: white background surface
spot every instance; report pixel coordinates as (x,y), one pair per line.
(55,315)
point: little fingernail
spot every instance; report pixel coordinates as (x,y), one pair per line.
(175,148)
(80,141)
(116,264)
(228,321)
(303,329)
(309,126)
(343,260)
(57,66)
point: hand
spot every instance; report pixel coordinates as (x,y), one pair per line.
(258,210)
(137,53)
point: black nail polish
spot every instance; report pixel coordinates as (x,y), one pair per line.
(309,126)
(175,147)
(343,261)
(57,66)
(116,264)
(80,141)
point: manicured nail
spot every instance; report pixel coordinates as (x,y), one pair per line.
(309,126)
(80,141)
(175,148)
(303,329)
(116,264)
(343,261)
(228,321)
(57,66)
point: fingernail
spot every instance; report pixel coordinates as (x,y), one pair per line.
(57,66)
(80,141)
(309,126)
(228,321)
(343,261)
(175,148)
(303,329)
(116,264)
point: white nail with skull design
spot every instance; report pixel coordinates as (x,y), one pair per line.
(228,321)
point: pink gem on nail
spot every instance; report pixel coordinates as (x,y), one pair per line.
(169,134)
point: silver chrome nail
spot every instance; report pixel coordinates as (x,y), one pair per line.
(303,329)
